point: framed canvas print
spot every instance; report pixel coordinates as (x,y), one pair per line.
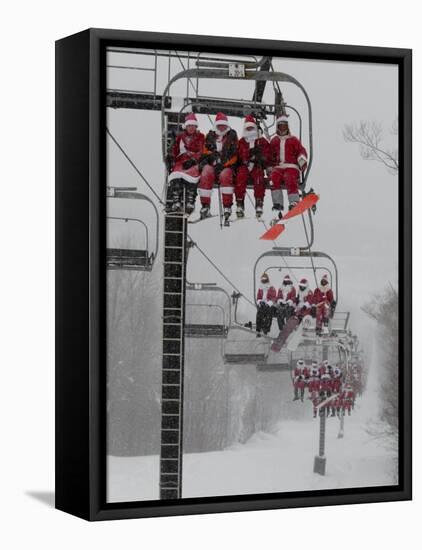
(233,274)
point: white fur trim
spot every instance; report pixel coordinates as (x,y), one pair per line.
(205,192)
(288,165)
(302,160)
(183,176)
(281,119)
(250,125)
(227,190)
(282,151)
(190,123)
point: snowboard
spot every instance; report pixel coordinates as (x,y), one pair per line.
(294,339)
(276,230)
(288,328)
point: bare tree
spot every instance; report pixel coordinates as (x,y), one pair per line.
(370,136)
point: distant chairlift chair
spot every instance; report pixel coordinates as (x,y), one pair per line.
(127,258)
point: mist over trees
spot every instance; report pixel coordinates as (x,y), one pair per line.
(223,404)
(383,309)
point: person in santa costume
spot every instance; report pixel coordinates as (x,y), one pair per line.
(288,159)
(265,300)
(298,378)
(323,305)
(286,299)
(218,164)
(183,165)
(253,157)
(304,299)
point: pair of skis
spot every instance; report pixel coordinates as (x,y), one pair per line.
(276,230)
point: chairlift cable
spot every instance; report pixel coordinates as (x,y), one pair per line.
(219,270)
(134,166)
(283,258)
(310,251)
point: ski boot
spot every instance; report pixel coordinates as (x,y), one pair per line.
(176,206)
(190,204)
(240,210)
(190,198)
(292,205)
(204,212)
(176,201)
(227,214)
(277,213)
(259,208)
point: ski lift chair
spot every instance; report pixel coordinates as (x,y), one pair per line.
(242,351)
(140,259)
(260,72)
(208,329)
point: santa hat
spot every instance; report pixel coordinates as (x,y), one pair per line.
(287,280)
(264,277)
(191,120)
(221,118)
(300,363)
(282,119)
(303,282)
(249,122)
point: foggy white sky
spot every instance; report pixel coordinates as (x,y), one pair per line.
(357,216)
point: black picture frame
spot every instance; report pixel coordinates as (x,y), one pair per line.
(80,274)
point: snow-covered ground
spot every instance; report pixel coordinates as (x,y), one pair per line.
(277,462)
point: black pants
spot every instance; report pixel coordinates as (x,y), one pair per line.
(283,313)
(264,318)
(176,189)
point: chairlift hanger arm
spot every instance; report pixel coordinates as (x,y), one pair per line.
(119,194)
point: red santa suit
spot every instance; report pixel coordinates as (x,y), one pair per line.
(186,153)
(218,163)
(288,159)
(337,374)
(286,295)
(322,300)
(267,294)
(326,383)
(303,299)
(349,398)
(314,384)
(298,370)
(253,157)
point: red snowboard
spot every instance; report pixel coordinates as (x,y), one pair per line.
(276,230)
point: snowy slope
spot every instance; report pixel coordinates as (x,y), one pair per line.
(282,461)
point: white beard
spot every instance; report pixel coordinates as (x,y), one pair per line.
(251,136)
